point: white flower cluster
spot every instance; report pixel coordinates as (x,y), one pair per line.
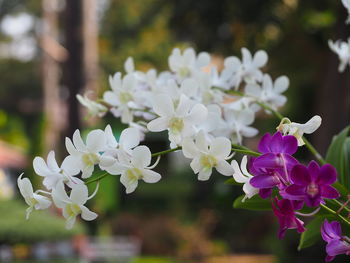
(125,158)
(342,48)
(193,96)
(205,111)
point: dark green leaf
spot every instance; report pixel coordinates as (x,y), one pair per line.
(312,233)
(338,155)
(232,181)
(254,203)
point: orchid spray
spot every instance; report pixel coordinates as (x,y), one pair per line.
(206,113)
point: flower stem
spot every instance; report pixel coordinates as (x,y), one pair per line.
(166,151)
(331,211)
(97,179)
(248,152)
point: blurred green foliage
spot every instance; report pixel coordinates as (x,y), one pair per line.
(41,226)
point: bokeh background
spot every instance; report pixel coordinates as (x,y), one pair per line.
(50,50)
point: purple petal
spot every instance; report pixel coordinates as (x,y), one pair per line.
(264,144)
(297,204)
(268,160)
(300,175)
(331,231)
(329,258)
(276,143)
(313,201)
(264,181)
(290,161)
(314,170)
(289,144)
(300,225)
(295,192)
(337,247)
(265,192)
(329,192)
(327,175)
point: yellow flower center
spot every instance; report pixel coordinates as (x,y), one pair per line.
(184,72)
(176,125)
(134,174)
(73,209)
(90,159)
(208,161)
(125,97)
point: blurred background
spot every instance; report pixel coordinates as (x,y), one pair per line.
(50,50)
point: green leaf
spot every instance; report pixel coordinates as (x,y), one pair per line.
(254,203)
(338,154)
(232,181)
(312,233)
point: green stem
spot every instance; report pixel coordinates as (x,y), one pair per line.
(248,152)
(331,211)
(342,206)
(97,178)
(166,151)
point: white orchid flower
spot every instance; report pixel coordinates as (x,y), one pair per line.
(33,199)
(248,69)
(95,108)
(269,92)
(88,155)
(73,205)
(238,124)
(122,98)
(135,167)
(53,174)
(298,129)
(342,49)
(186,63)
(346,4)
(241,175)
(179,121)
(207,155)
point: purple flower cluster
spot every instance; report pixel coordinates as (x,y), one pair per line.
(296,184)
(336,243)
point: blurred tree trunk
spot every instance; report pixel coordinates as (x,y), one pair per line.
(73,68)
(53,53)
(334,96)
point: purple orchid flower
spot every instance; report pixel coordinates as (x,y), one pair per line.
(336,243)
(284,210)
(273,167)
(312,184)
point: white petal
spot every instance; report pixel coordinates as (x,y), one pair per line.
(198,114)
(69,165)
(70,222)
(246,56)
(25,186)
(195,165)
(59,196)
(106,161)
(87,171)
(129,138)
(158,124)
(203,59)
(79,194)
(260,58)
(86,214)
(78,141)
(40,167)
(115,169)
(43,202)
(51,162)
(312,125)
(204,175)
(163,105)
(189,149)
(253,90)
(202,142)
(237,175)
(111,140)
(281,84)
(111,98)
(150,176)
(96,141)
(224,168)
(184,106)
(70,147)
(130,185)
(250,190)
(129,65)
(220,147)
(141,156)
